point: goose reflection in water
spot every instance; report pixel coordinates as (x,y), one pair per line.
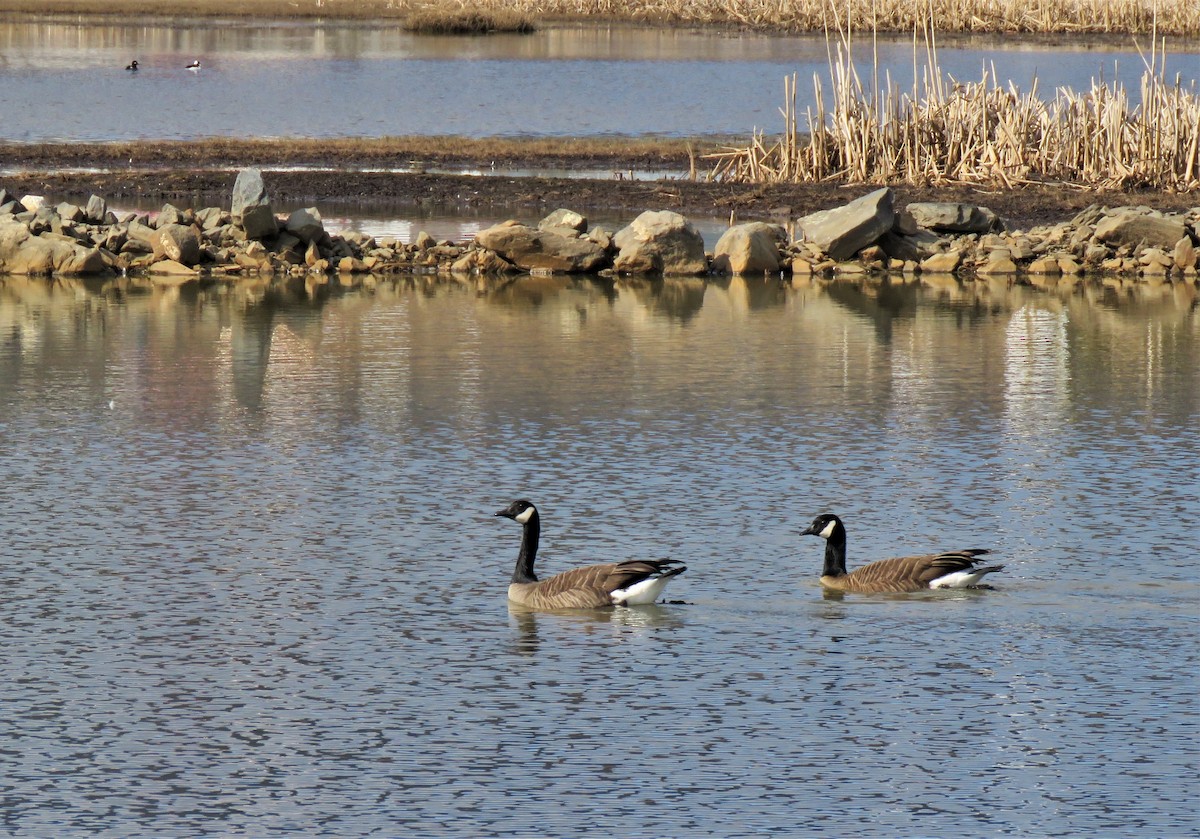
(621,623)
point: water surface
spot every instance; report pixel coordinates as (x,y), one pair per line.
(253,584)
(63,80)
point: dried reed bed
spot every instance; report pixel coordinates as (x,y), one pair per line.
(942,132)
(1174,17)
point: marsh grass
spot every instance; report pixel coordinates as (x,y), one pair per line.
(1173,17)
(467,21)
(941,131)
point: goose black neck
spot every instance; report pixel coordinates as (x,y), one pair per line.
(835,554)
(530,532)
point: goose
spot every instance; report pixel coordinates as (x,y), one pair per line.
(634,582)
(194,66)
(132,65)
(952,569)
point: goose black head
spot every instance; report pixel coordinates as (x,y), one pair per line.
(824,525)
(520,511)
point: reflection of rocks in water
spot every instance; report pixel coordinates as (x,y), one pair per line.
(881,302)
(676,297)
(763,292)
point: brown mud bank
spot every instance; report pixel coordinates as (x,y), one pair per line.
(304,173)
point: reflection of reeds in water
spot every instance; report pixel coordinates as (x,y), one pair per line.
(944,131)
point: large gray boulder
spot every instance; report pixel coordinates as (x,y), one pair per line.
(660,242)
(1133,227)
(953,217)
(844,231)
(545,250)
(251,208)
(751,248)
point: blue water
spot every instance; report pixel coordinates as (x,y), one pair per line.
(64,80)
(253,586)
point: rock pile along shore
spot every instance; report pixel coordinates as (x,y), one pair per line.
(866,236)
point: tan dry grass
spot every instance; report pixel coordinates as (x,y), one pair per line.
(1174,17)
(943,132)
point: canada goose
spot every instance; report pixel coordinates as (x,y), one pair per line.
(195,65)
(634,582)
(953,569)
(132,65)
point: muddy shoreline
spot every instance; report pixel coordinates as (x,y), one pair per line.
(193,174)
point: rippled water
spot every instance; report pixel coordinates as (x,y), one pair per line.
(62,79)
(252,583)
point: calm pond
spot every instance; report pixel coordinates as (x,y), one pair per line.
(62,79)
(253,584)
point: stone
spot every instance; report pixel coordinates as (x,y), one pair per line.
(251,208)
(168,215)
(564,218)
(96,210)
(1045,265)
(751,248)
(178,243)
(1184,254)
(844,231)
(1134,228)
(905,246)
(532,249)
(306,225)
(32,203)
(941,263)
(660,242)
(952,217)
(999,262)
(21,252)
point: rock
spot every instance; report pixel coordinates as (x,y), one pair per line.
(1184,254)
(942,263)
(951,217)
(351,265)
(915,246)
(999,262)
(251,208)
(69,212)
(169,214)
(1045,265)
(844,231)
(660,242)
(210,218)
(306,225)
(564,218)
(96,210)
(171,268)
(1128,226)
(751,248)
(548,250)
(32,203)
(23,253)
(178,243)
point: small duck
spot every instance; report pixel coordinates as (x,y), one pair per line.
(132,66)
(194,66)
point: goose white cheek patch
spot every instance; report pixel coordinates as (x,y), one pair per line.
(828,531)
(525,516)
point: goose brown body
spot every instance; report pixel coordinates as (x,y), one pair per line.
(951,569)
(631,582)
(904,573)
